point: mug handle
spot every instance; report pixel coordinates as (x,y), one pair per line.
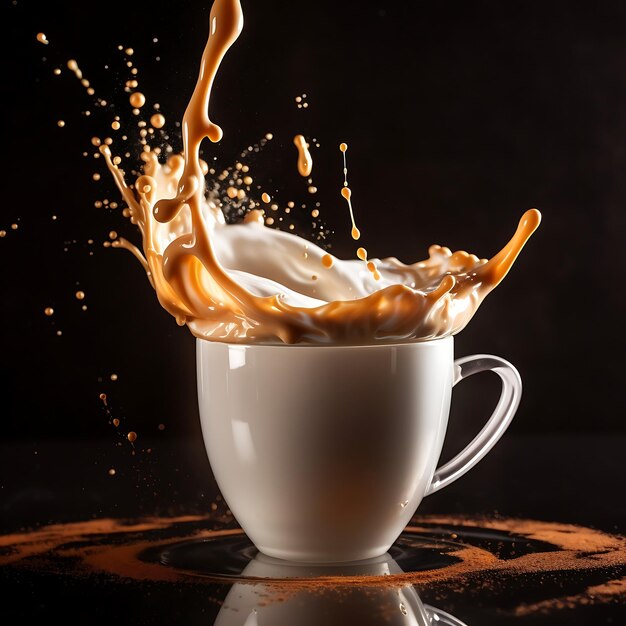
(495,426)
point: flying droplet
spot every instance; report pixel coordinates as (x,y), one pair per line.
(157,120)
(137,99)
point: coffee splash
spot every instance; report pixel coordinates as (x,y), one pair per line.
(247,283)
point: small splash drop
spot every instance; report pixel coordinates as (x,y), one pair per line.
(157,120)
(137,99)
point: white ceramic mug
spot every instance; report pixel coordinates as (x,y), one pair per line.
(324,453)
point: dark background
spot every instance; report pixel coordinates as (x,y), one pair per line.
(459,117)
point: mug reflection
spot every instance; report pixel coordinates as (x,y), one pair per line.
(298,594)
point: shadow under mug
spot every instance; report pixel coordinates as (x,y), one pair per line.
(324,453)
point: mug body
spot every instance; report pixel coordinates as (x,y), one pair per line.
(323,453)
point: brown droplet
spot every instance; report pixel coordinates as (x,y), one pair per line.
(80,295)
(116,422)
(327,261)
(103,397)
(343,147)
(49,311)
(132,436)
(265,197)
(362,254)
(41,38)
(157,120)
(115,125)
(356,233)
(137,99)
(112,472)
(60,123)
(305,161)
(113,377)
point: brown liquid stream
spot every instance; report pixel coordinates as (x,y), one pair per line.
(192,285)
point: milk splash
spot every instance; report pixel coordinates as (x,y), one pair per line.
(251,284)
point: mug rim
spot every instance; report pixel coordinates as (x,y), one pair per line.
(324,346)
